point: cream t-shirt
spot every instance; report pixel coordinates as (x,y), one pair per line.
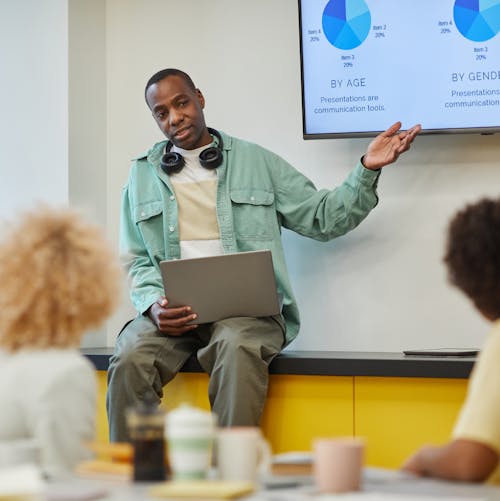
(48,397)
(196,192)
(479,418)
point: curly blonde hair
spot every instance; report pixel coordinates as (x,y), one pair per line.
(58,278)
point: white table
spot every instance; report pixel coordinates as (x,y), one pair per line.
(378,485)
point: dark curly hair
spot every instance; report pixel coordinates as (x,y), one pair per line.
(472,254)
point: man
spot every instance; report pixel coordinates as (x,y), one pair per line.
(473,261)
(173,207)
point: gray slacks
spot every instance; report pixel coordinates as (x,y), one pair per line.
(235,352)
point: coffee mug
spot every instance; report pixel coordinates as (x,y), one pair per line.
(190,433)
(338,463)
(242,454)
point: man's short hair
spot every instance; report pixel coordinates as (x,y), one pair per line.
(168,72)
(472,254)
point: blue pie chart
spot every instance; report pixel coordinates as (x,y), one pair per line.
(346,23)
(477,20)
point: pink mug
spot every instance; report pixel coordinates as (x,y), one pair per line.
(338,464)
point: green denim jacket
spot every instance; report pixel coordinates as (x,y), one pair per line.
(258,193)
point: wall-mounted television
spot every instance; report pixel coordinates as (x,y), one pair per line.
(369,63)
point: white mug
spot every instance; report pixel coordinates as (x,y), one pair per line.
(242,454)
(190,434)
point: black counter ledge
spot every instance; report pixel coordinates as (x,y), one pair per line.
(339,363)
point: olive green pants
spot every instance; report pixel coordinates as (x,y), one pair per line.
(235,352)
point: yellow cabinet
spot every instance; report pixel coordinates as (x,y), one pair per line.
(300,408)
(394,415)
(398,415)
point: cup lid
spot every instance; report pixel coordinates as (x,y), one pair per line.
(185,414)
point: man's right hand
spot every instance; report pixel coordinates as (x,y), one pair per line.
(171,321)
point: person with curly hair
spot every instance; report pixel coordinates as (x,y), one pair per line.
(58,278)
(473,261)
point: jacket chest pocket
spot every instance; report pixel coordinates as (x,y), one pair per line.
(149,220)
(254,216)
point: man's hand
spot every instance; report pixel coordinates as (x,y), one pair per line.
(171,321)
(387,146)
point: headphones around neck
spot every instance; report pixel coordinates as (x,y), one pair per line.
(210,158)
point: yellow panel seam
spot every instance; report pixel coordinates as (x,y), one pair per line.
(353,406)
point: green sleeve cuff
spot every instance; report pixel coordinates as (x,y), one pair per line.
(366,177)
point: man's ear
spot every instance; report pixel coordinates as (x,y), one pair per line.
(200,98)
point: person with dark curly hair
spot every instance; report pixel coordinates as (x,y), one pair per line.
(472,258)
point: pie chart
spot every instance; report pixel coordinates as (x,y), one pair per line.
(477,20)
(346,23)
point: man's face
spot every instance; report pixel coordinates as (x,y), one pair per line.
(178,111)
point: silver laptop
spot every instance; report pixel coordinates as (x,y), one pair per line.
(218,287)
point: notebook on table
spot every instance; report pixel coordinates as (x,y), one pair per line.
(218,287)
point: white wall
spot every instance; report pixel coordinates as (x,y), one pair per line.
(33,104)
(87,94)
(53,110)
(382,287)
(90,181)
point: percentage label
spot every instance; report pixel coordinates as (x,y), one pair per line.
(348,65)
(480,57)
(314,39)
(379,34)
(445,30)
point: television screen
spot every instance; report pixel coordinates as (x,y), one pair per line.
(369,63)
